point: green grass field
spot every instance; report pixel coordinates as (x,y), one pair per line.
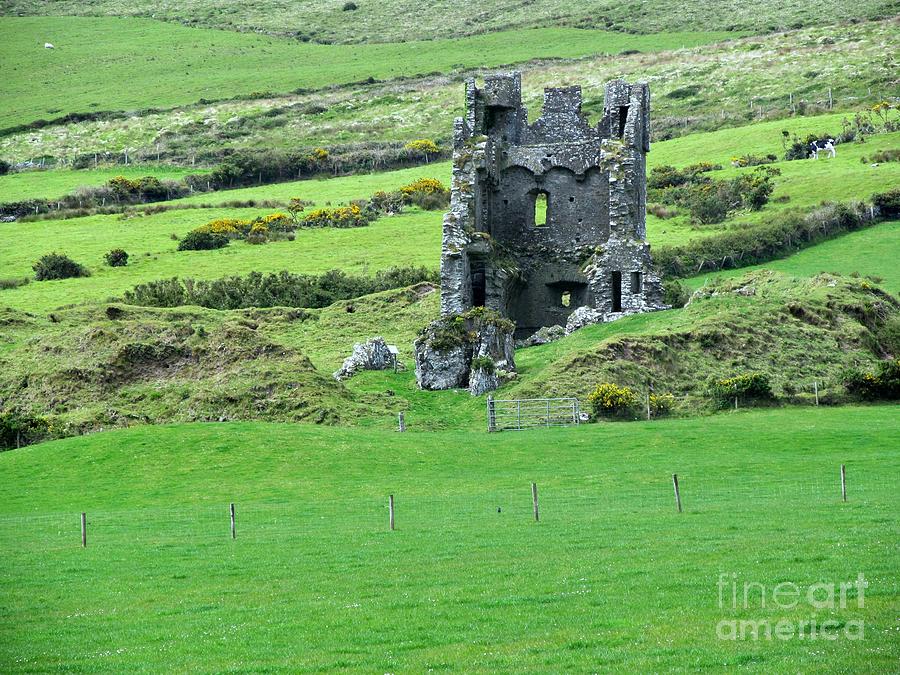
(51,184)
(611,578)
(403,20)
(151,56)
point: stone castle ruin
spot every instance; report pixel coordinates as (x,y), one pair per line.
(547,219)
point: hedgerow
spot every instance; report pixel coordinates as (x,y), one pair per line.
(282,289)
(883,384)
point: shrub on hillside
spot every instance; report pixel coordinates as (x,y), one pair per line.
(753,160)
(422,147)
(19,429)
(116,258)
(427,193)
(661,405)
(4,167)
(58,266)
(743,387)
(675,293)
(887,203)
(610,401)
(341,217)
(882,157)
(274,290)
(13,282)
(883,384)
(202,240)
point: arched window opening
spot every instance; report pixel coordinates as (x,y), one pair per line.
(566,298)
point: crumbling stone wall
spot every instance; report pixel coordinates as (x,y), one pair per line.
(592,250)
(589,255)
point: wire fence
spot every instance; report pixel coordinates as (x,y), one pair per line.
(313,522)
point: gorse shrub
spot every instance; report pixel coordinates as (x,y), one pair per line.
(202,240)
(882,157)
(18,429)
(116,258)
(661,405)
(883,384)
(744,387)
(58,266)
(274,290)
(4,167)
(611,401)
(341,217)
(423,147)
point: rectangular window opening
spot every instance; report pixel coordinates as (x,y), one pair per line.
(541,209)
(617,291)
(623,118)
(635,282)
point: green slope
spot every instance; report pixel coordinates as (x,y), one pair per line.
(113,63)
(402,20)
(611,578)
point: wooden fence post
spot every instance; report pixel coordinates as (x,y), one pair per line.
(534,501)
(401,422)
(816,390)
(843,483)
(677,492)
(648,404)
(233,534)
(391,511)
(84,529)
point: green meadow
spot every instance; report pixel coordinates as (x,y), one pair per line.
(151,56)
(610,578)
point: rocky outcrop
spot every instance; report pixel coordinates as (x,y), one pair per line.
(447,349)
(371,355)
(542,336)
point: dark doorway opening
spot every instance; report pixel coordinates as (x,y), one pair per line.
(623,117)
(617,291)
(478,284)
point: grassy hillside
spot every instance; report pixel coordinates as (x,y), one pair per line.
(871,252)
(610,578)
(693,89)
(55,183)
(164,65)
(402,20)
(126,365)
(410,239)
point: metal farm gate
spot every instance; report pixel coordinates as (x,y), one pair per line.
(530,413)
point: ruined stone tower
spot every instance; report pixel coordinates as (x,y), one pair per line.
(546,226)
(503,250)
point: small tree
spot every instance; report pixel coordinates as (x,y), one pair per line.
(424,146)
(116,258)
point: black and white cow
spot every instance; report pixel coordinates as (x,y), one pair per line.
(818,146)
